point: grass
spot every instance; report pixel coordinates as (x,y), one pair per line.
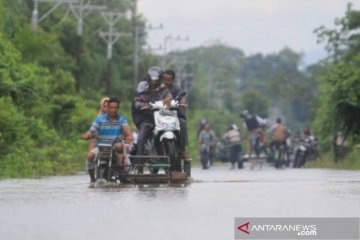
(350,162)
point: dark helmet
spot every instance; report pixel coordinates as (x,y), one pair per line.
(154,75)
(233,126)
(278,120)
(244,114)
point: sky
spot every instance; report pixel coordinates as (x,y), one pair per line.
(254,26)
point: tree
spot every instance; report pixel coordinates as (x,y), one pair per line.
(340,80)
(254,102)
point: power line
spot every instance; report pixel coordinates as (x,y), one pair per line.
(35,20)
(80,11)
(166,40)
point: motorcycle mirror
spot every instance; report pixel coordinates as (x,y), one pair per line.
(181,94)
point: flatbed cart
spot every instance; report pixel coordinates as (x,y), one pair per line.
(149,169)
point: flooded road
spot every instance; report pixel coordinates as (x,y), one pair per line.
(65,208)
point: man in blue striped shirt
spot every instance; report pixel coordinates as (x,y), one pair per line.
(106,128)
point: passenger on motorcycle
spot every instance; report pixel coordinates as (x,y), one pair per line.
(279,133)
(107,128)
(142,117)
(256,136)
(233,141)
(306,133)
(169,79)
(104,104)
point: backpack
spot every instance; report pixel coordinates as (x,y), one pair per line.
(252,123)
(233,136)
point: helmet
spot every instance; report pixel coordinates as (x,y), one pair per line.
(278,120)
(154,75)
(244,113)
(232,127)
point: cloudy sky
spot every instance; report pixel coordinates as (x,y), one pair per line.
(254,26)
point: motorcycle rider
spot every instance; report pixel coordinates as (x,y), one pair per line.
(107,128)
(233,141)
(253,124)
(306,133)
(143,117)
(278,132)
(207,136)
(169,79)
(202,124)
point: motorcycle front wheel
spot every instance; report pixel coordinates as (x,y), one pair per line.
(102,172)
(299,160)
(205,159)
(170,151)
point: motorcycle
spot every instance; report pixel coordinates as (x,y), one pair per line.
(166,135)
(257,143)
(205,155)
(110,164)
(305,151)
(281,155)
(222,152)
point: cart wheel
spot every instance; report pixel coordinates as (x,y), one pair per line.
(187,168)
(240,164)
(154,170)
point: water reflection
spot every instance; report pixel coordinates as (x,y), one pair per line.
(166,192)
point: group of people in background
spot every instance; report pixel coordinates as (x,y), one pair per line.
(259,138)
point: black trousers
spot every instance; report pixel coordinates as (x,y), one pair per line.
(183,138)
(234,152)
(145,131)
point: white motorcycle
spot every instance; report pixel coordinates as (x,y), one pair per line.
(166,133)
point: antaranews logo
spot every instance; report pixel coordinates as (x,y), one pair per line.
(297,228)
(244,228)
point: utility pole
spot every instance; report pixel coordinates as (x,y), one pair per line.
(110,38)
(35,20)
(136,36)
(171,38)
(212,73)
(136,42)
(182,68)
(153,49)
(80,11)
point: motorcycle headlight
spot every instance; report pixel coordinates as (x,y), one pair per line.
(302,148)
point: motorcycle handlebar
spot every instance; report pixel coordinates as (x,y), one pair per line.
(156,106)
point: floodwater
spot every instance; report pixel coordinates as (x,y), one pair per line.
(66,208)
